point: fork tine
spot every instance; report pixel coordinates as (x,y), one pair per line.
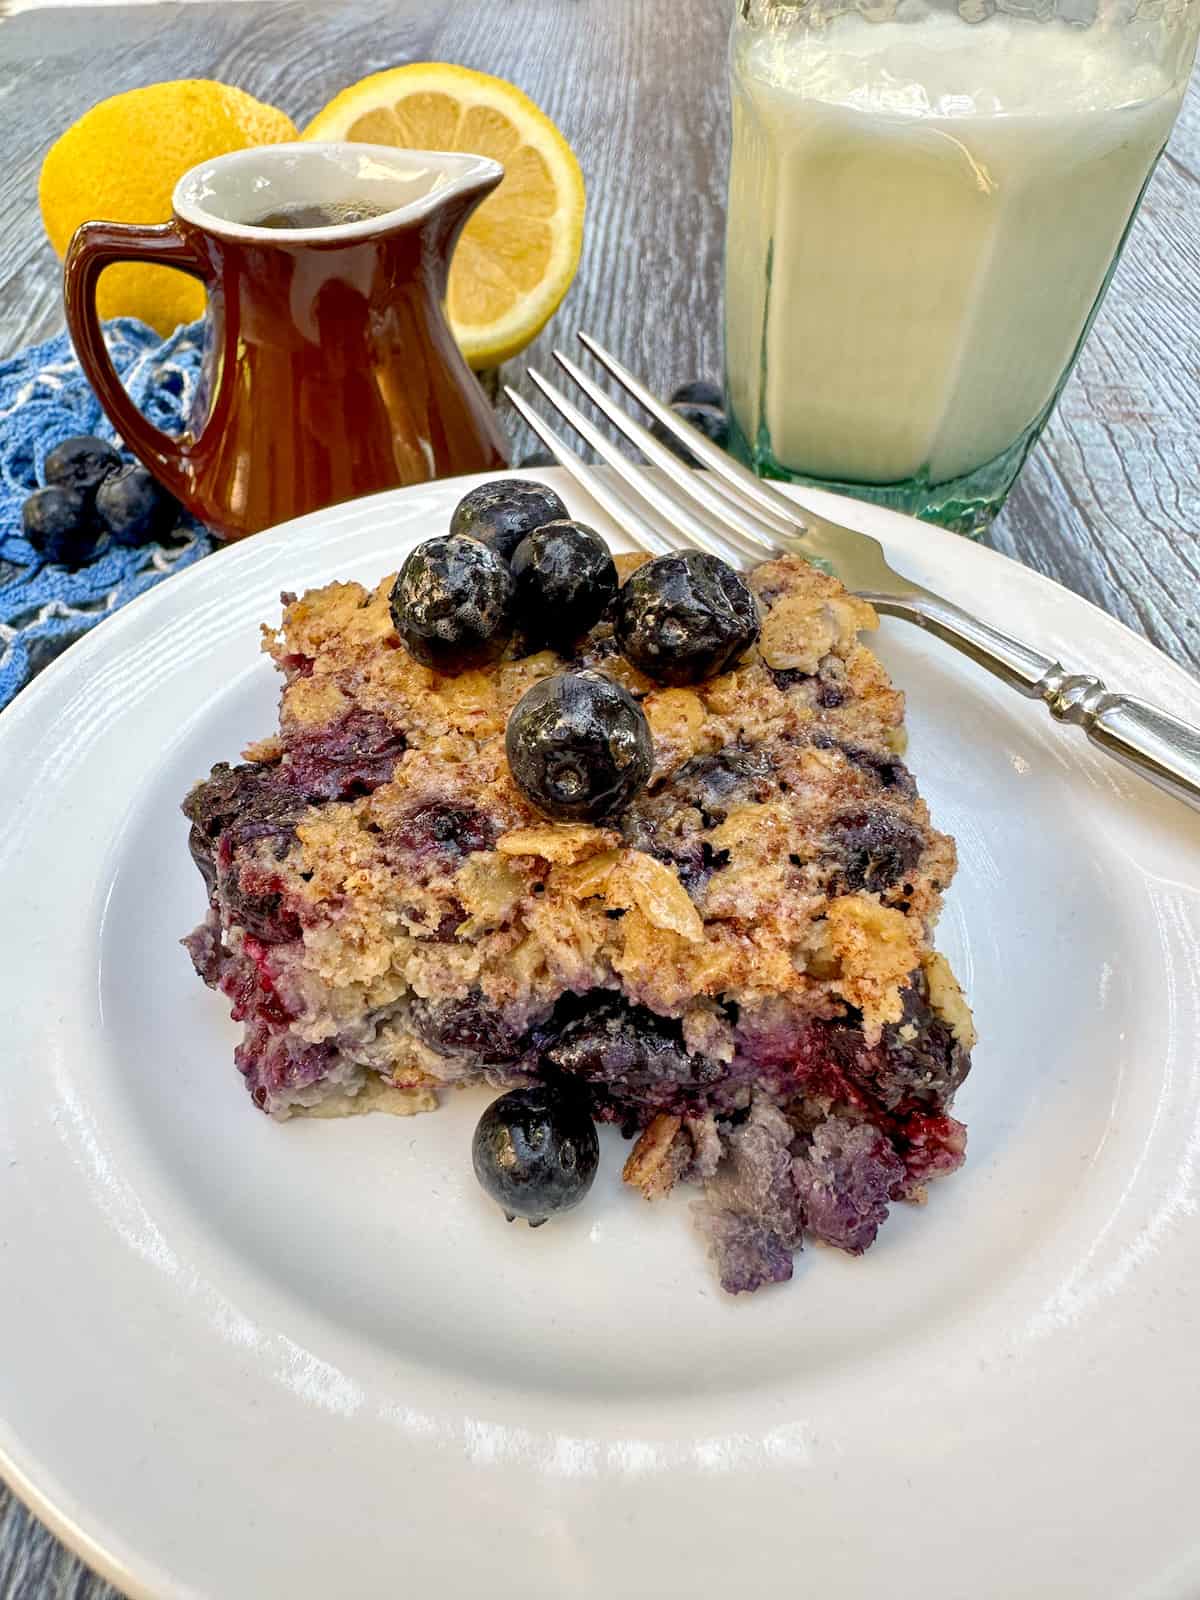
(739,479)
(689,529)
(617,507)
(728,513)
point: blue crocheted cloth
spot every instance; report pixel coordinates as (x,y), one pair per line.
(44,399)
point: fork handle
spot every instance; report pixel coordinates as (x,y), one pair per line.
(1148,740)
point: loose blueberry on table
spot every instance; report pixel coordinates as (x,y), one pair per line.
(59,524)
(701,404)
(81,463)
(134,507)
(584,862)
(698,392)
(88,494)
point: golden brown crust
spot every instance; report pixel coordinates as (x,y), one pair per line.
(550,906)
(659,1158)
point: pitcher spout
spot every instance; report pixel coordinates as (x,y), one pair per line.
(461,184)
(336,193)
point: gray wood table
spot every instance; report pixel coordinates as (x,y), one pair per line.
(1109,503)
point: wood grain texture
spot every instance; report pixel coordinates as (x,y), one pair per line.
(1109,503)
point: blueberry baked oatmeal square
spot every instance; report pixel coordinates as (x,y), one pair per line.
(632,841)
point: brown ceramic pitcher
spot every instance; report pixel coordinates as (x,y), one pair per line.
(329,370)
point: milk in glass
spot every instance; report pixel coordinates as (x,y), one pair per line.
(922,218)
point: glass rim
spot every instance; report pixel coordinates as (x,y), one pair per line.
(769,13)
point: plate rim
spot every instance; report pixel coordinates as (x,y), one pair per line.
(1180,677)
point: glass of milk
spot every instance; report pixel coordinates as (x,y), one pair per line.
(926,203)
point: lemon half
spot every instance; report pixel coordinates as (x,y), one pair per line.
(519,251)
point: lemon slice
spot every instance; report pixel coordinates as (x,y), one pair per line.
(518,253)
(121,161)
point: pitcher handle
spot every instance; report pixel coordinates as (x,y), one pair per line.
(93,247)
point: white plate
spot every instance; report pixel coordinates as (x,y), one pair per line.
(245,1359)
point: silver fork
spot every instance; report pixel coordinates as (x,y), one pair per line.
(729,512)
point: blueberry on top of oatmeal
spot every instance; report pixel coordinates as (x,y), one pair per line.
(579,746)
(500,514)
(685,617)
(452,604)
(565,578)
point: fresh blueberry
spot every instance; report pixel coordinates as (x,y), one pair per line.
(535,1152)
(710,420)
(579,746)
(536,458)
(684,617)
(81,463)
(452,604)
(565,578)
(134,506)
(699,392)
(57,522)
(500,514)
